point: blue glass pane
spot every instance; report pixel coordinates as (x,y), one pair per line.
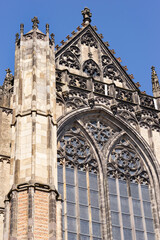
(113,203)
(145,193)
(70,193)
(112,186)
(94,198)
(84,227)
(140,235)
(70,176)
(149,225)
(123,188)
(124,205)
(147,209)
(71,209)
(71,236)
(60,189)
(83,196)
(151,236)
(138,223)
(134,190)
(96,229)
(83,212)
(137,207)
(83,237)
(71,224)
(116,233)
(60,174)
(126,220)
(93,181)
(127,234)
(115,218)
(82,179)
(95,214)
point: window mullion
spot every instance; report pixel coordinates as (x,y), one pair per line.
(142,210)
(65,201)
(119,208)
(131,211)
(89,205)
(77,203)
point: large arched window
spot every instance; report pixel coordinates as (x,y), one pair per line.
(78,185)
(126,202)
(129,197)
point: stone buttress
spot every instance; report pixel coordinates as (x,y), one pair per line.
(30,208)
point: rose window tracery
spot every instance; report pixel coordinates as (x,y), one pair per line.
(74,148)
(125,162)
(100,132)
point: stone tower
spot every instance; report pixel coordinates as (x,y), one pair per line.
(79,146)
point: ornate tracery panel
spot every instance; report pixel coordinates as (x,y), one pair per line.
(78,185)
(130,202)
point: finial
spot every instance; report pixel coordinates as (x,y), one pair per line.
(8,71)
(47,28)
(9,76)
(17,37)
(35,23)
(153,72)
(52,37)
(86,15)
(155,83)
(22,28)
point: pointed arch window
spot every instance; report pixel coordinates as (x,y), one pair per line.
(78,185)
(129,195)
(91,68)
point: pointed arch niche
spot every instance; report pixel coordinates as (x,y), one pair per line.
(105,179)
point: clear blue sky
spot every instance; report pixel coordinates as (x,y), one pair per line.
(130,26)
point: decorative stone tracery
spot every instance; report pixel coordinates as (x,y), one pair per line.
(124,162)
(69,60)
(100,131)
(89,40)
(111,72)
(75,150)
(91,68)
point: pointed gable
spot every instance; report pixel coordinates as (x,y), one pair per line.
(85,54)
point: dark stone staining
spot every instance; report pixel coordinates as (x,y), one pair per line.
(17,170)
(34,98)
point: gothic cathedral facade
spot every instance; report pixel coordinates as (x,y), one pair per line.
(79,143)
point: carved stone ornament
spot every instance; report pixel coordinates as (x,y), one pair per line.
(125,162)
(86,15)
(99,88)
(35,23)
(149,120)
(100,131)
(147,101)
(91,68)
(74,150)
(69,60)
(124,95)
(77,81)
(106,60)
(89,40)
(75,99)
(112,73)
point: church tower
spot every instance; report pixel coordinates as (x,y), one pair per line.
(79,146)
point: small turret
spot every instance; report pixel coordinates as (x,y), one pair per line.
(155,83)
